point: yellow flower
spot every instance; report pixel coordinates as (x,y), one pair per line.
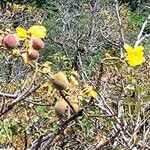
(135,56)
(35,31)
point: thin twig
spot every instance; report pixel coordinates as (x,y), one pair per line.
(63,96)
(122,39)
(110,140)
(8,95)
(140,38)
(21,96)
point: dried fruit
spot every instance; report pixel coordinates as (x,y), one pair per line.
(10,41)
(33,54)
(61,107)
(37,43)
(60,81)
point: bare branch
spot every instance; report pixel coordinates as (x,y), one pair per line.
(8,95)
(21,96)
(110,140)
(122,39)
(140,38)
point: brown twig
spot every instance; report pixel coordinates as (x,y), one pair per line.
(99,76)
(63,96)
(122,39)
(47,139)
(25,140)
(20,96)
(110,140)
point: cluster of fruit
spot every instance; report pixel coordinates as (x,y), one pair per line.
(33,43)
(61,82)
(11,41)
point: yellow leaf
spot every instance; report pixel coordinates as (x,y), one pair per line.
(47,64)
(73,81)
(108,55)
(28,43)
(89,91)
(16,52)
(46,67)
(21,32)
(1,31)
(37,31)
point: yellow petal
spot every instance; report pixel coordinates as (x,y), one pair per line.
(127,47)
(37,31)
(73,81)
(28,43)
(47,64)
(139,48)
(21,32)
(135,56)
(136,61)
(139,51)
(46,70)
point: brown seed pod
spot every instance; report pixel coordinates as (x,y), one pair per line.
(61,107)
(60,81)
(10,41)
(37,43)
(33,54)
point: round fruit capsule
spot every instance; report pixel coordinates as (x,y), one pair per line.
(61,107)
(60,81)
(33,54)
(37,43)
(10,41)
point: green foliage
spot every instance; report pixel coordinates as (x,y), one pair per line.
(137,19)
(42,112)
(118,85)
(86,125)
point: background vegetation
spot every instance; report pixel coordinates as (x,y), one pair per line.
(81,35)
